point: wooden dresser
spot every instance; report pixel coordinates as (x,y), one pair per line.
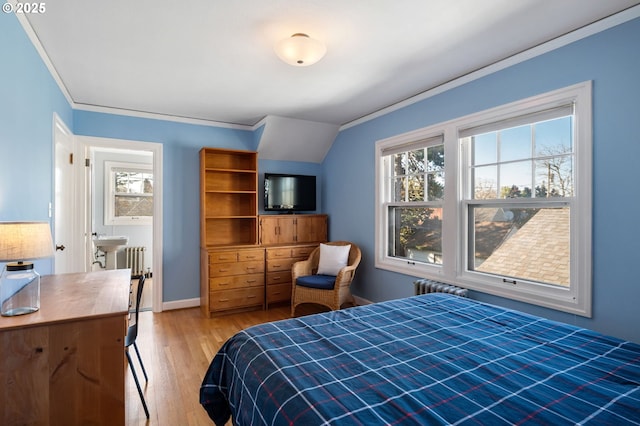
(65,364)
(237,245)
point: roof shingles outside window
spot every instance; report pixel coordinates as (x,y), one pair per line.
(538,251)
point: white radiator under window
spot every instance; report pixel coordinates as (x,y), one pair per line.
(425,286)
(135,260)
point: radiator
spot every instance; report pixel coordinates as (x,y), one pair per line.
(429,286)
(135,260)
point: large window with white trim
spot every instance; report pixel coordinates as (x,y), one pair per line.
(516,218)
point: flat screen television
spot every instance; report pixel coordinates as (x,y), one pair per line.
(289,193)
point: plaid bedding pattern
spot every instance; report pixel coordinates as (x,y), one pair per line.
(431,359)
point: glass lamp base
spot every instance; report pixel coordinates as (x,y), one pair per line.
(19,289)
(19,311)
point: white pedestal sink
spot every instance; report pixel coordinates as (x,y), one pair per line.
(110,245)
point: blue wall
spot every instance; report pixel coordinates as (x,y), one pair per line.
(181,208)
(612,60)
(29,97)
(180,211)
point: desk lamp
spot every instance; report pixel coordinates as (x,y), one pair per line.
(20,283)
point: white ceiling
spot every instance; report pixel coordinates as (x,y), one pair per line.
(214,60)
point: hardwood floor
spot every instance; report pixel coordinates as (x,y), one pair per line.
(176,348)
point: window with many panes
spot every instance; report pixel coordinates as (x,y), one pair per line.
(518,200)
(414,191)
(516,221)
(128,193)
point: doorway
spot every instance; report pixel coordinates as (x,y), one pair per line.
(121,199)
(125,161)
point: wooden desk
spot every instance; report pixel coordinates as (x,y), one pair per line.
(64,365)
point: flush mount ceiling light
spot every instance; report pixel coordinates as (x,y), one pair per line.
(300,50)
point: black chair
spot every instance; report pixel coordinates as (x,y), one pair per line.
(130,339)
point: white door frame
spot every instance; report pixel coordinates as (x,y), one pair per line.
(89,142)
(73,211)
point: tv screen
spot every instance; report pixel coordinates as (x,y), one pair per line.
(285,192)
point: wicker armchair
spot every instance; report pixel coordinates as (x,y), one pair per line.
(332,298)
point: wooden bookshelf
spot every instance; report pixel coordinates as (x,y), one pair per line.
(228,198)
(232,265)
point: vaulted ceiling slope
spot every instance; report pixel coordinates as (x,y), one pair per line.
(213,60)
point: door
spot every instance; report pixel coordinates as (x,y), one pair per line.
(268,230)
(64,211)
(311,228)
(286,230)
(277,230)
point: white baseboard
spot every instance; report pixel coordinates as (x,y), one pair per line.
(181,304)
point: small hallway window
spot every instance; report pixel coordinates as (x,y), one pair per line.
(129,193)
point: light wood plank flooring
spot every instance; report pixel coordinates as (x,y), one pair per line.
(176,348)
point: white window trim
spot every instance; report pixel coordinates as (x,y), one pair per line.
(110,167)
(382,260)
(577,299)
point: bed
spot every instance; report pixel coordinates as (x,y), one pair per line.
(430,359)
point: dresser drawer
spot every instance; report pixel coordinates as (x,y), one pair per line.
(278,292)
(236,281)
(227,256)
(274,265)
(251,255)
(279,277)
(236,298)
(298,252)
(278,253)
(223,256)
(302,252)
(238,268)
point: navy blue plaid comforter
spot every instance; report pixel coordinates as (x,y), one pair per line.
(432,359)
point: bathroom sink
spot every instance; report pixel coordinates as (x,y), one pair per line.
(110,243)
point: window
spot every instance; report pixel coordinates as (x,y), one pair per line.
(510,214)
(518,199)
(413,195)
(128,193)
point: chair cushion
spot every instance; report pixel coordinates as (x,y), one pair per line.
(333,258)
(323,282)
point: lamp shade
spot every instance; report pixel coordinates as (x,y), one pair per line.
(25,240)
(300,50)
